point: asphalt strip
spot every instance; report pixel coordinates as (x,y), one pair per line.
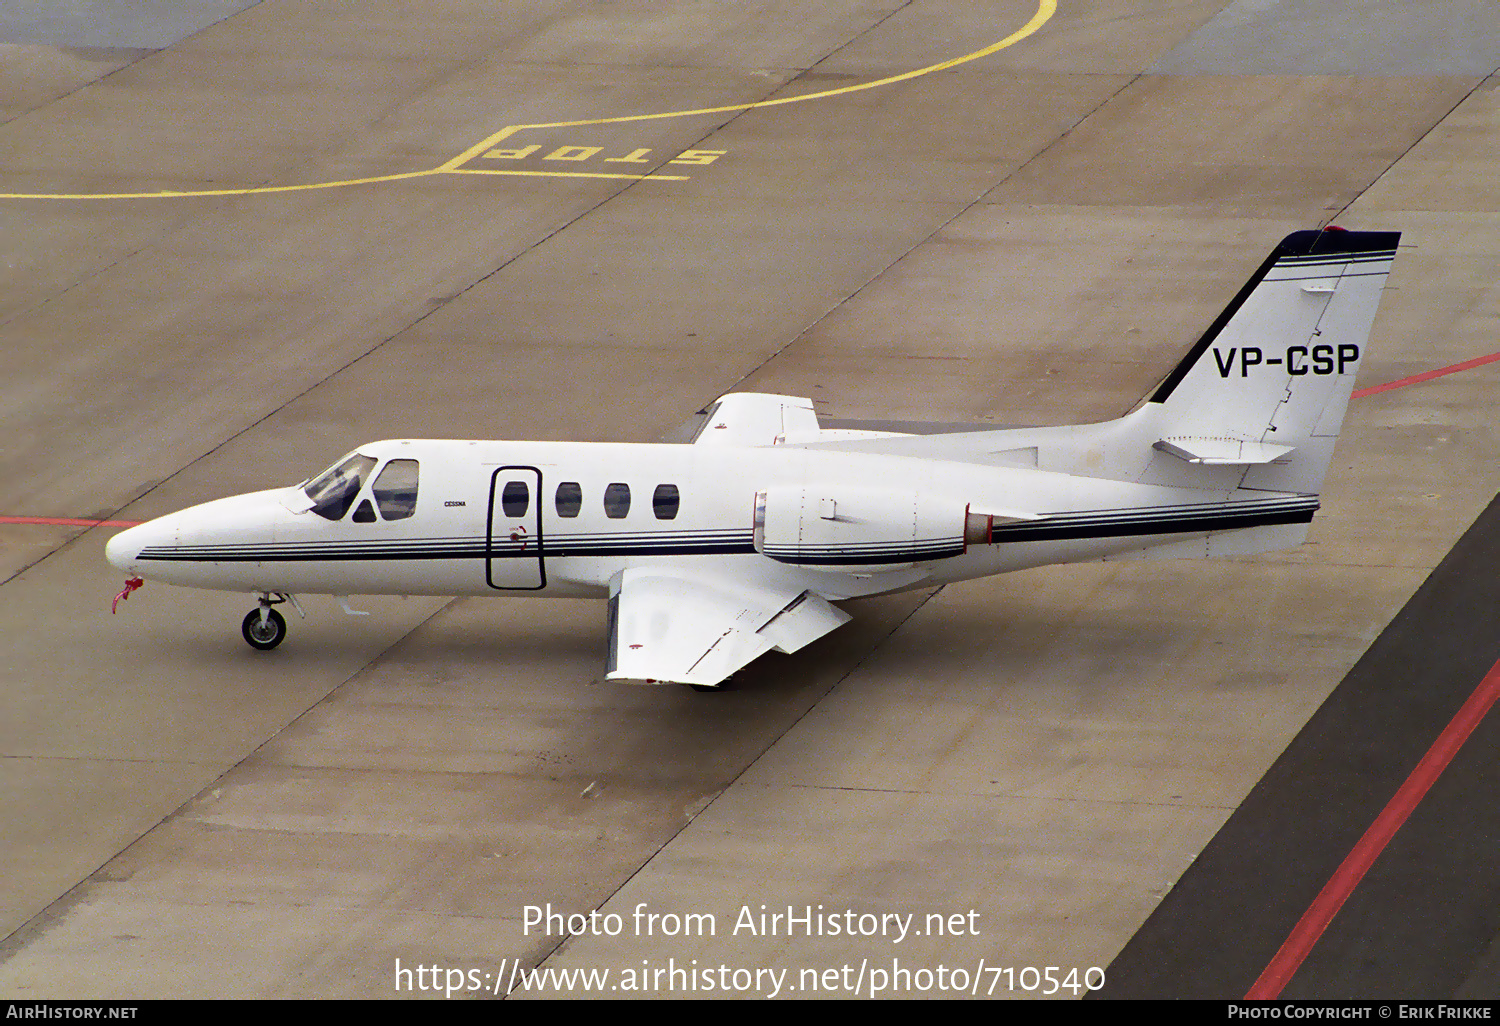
(1423,921)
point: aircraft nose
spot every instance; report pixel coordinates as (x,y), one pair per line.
(123,549)
(210,523)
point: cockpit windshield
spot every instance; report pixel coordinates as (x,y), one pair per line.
(332,492)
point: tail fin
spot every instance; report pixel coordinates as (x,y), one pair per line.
(1256,404)
(1267,385)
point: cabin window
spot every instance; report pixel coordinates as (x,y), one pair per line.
(664,502)
(617,501)
(569,499)
(332,492)
(515,497)
(364,513)
(395,489)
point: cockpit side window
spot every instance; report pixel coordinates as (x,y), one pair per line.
(396,489)
(332,492)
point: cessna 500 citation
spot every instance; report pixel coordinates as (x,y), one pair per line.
(714,552)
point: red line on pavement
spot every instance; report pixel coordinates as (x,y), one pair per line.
(68,522)
(1295,949)
(1478,361)
(1359,860)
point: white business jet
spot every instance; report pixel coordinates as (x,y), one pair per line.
(712,553)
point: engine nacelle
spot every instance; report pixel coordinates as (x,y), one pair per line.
(847,527)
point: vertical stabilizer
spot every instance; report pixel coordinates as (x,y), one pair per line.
(1266,387)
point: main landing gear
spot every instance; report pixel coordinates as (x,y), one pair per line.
(264,628)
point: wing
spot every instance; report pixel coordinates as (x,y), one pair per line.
(698,630)
(756,418)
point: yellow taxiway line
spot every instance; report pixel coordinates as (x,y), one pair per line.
(1044,12)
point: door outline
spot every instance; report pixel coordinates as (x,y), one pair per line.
(530,525)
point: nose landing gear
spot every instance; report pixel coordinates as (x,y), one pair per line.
(264,628)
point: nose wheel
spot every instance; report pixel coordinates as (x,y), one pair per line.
(264,628)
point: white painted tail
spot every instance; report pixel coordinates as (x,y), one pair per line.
(1256,404)
(1266,387)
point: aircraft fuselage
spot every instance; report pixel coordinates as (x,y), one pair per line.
(563,518)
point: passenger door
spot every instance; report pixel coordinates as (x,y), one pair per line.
(514,560)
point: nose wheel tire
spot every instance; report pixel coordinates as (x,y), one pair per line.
(266,632)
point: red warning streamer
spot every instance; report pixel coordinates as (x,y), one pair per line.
(131,583)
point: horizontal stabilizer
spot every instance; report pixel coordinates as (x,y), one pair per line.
(1220,451)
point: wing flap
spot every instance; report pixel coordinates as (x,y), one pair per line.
(804,620)
(668,628)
